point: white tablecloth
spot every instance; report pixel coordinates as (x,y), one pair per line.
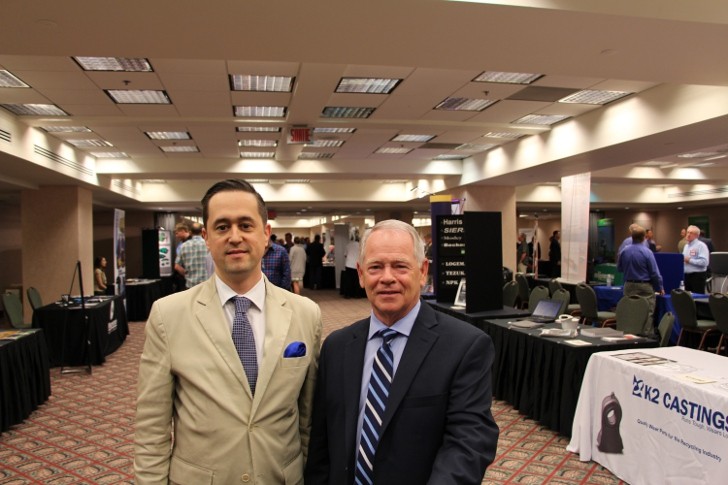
(655,424)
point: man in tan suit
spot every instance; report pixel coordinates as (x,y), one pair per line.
(201,417)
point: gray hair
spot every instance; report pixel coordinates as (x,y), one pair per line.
(395,225)
(693,229)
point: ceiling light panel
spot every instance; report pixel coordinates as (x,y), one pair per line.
(138,96)
(90,143)
(334,130)
(258,143)
(126,64)
(257,154)
(476,148)
(413,138)
(179,149)
(65,129)
(259,129)
(246,82)
(315,155)
(260,111)
(540,119)
(367,85)
(503,134)
(590,96)
(168,135)
(698,155)
(464,104)
(447,156)
(34,109)
(346,112)
(394,150)
(507,77)
(298,181)
(8,80)
(109,154)
(326,143)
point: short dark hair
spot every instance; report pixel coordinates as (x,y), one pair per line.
(233,185)
(97,262)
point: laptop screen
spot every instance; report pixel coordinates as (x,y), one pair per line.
(547,308)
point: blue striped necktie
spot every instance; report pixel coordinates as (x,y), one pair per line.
(244,340)
(377,393)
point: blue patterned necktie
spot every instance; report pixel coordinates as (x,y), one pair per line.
(377,393)
(244,340)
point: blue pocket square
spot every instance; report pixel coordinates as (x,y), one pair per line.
(295,349)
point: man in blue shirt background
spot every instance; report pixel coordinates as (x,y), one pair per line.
(277,265)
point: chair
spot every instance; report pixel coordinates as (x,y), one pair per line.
(537,294)
(523,290)
(34,298)
(665,328)
(510,294)
(588,302)
(719,308)
(684,306)
(631,315)
(554,285)
(14,310)
(564,297)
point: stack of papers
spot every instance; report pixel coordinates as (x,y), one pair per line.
(601,332)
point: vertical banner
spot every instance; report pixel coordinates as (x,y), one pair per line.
(575,191)
(165,253)
(450,256)
(119,251)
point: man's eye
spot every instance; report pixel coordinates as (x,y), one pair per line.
(221,227)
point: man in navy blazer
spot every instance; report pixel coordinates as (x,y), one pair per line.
(437,427)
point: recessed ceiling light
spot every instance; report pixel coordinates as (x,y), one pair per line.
(367,85)
(247,82)
(334,130)
(476,148)
(257,154)
(180,149)
(128,64)
(698,155)
(540,119)
(507,77)
(109,154)
(298,181)
(413,138)
(393,150)
(8,80)
(325,143)
(34,109)
(168,135)
(464,104)
(590,96)
(138,96)
(448,156)
(503,134)
(90,143)
(346,112)
(315,155)
(259,129)
(65,129)
(258,143)
(260,111)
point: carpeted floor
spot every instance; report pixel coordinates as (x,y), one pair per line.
(84,433)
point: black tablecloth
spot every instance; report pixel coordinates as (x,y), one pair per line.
(108,330)
(140,297)
(25,381)
(541,376)
(477,318)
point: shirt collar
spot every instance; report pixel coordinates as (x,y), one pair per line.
(403,325)
(256,294)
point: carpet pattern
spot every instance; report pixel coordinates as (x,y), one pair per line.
(84,433)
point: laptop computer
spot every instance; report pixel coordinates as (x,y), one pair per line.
(546,311)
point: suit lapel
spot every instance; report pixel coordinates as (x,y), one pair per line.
(353,368)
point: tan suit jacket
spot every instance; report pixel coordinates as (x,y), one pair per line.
(190,375)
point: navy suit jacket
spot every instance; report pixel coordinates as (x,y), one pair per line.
(437,427)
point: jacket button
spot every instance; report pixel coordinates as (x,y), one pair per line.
(245,477)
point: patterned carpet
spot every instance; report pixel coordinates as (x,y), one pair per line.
(84,433)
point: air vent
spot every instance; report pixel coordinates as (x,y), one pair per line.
(120,184)
(5,136)
(440,146)
(63,161)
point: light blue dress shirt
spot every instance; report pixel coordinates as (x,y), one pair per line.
(699,256)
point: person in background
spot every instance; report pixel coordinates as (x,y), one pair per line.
(228,370)
(289,242)
(350,281)
(641,275)
(555,254)
(433,424)
(707,241)
(192,258)
(628,240)
(298,265)
(315,254)
(277,265)
(100,276)
(683,240)
(650,238)
(697,257)
(522,253)
(182,233)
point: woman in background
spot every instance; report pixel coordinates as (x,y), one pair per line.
(99,276)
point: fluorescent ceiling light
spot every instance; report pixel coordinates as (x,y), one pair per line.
(704,164)
(503,134)
(258,143)
(180,149)
(334,130)
(464,104)
(298,181)
(127,64)
(260,111)
(109,154)
(540,119)
(413,138)
(368,85)
(34,109)
(476,148)
(325,143)
(138,96)
(447,156)
(394,150)
(257,154)
(247,82)
(655,163)
(168,135)
(257,181)
(346,112)
(259,129)
(8,80)
(590,96)
(90,143)
(698,155)
(315,155)
(65,129)
(507,77)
